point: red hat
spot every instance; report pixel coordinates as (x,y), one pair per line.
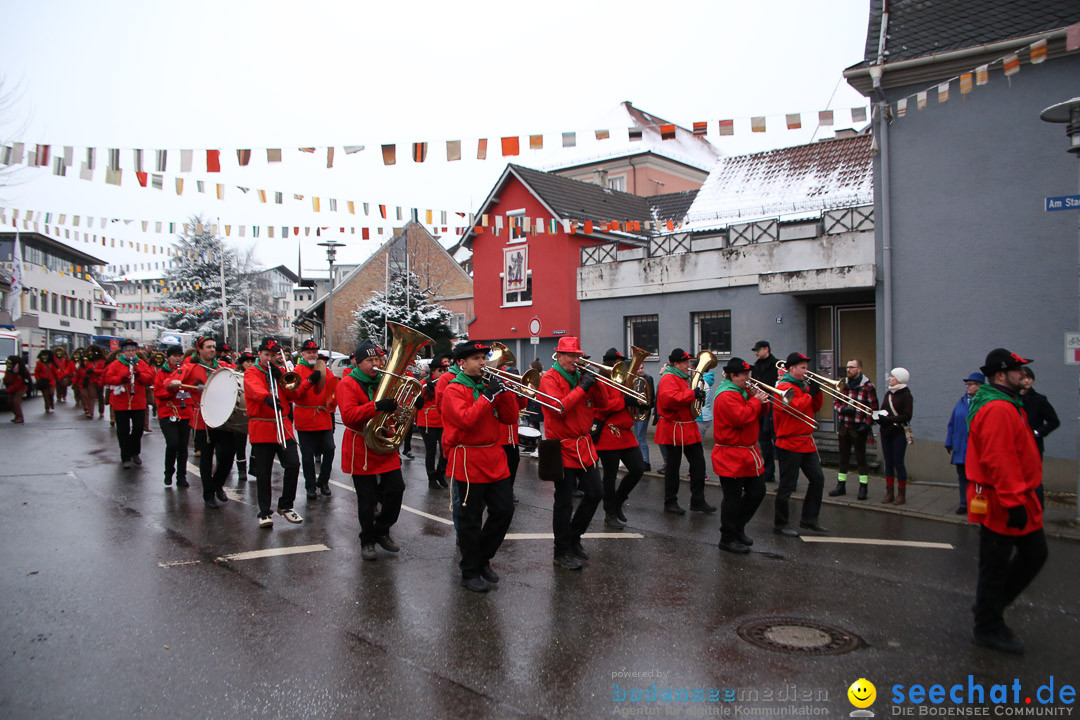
(569,345)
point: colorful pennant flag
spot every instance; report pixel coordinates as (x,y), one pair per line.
(213,161)
(481,149)
(1011,64)
(794,121)
(569,139)
(1038,51)
(943,92)
(389,154)
(453,151)
(757,124)
(667,132)
(727,127)
(536,142)
(419,152)
(510,146)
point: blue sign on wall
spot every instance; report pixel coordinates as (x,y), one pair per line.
(1065,202)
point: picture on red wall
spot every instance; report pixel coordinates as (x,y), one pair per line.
(515,268)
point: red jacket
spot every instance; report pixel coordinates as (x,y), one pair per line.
(124,396)
(171,402)
(792,433)
(195,373)
(77,376)
(735,429)
(46,371)
(64,368)
(356,410)
(572,425)
(95,371)
(262,427)
(618,430)
(674,399)
(1003,461)
(473,434)
(13,382)
(509,431)
(429,416)
(310,411)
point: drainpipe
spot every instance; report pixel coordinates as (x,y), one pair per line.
(886,207)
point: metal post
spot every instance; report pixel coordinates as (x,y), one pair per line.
(224,307)
(331,254)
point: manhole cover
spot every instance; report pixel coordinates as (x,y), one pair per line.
(798,636)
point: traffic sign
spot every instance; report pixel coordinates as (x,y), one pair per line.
(534,327)
(1072,348)
(1064,202)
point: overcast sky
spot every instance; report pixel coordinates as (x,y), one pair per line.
(228,75)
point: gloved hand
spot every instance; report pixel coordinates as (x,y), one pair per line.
(1018,517)
(315,377)
(862,427)
(948,449)
(430,384)
(848,411)
(812,387)
(272,402)
(493,387)
(587,381)
(419,402)
(276,371)
(700,394)
(386,405)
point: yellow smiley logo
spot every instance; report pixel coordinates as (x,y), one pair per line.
(862,693)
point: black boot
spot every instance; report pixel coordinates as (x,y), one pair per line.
(862,491)
(840,489)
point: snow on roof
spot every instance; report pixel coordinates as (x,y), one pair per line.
(800,180)
(138,275)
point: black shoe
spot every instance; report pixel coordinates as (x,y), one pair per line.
(785,531)
(311,495)
(568,561)
(475,584)
(221,496)
(613,522)
(126,464)
(407,454)
(136,459)
(578,551)
(770,479)
(212,504)
(577,493)
(1001,640)
(325,490)
(862,491)
(674,509)
(443,484)
(703,508)
(840,489)
(745,539)
(662,470)
(251,469)
(648,467)
(182,482)
(488,574)
(962,510)
(813,526)
(168,479)
(387,544)
(621,515)
(367,552)
(734,546)
(433,485)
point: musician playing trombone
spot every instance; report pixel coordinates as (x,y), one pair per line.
(128,376)
(854,425)
(270,430)
(796,449)
(174,415)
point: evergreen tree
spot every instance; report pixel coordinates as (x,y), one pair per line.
(407,304)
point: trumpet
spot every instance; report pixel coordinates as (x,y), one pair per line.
(706,361)
(615,376)
(781,400)
(527,385)
(834,389)
(291,379)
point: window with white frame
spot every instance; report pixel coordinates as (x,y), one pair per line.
(515,220)
(712,332)
(644,332)
(617,183)
(520,297)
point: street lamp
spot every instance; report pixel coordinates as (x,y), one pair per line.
(1069,112)
(331,254)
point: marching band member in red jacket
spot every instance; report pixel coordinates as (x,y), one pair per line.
(736,458)
(678,430)
(796,450)
(264,411)
(376,476)
(243,361)
(572,386)
(215,441)
(128,377)
(474,411)
(1004,468)
(174,415)
(510,439)
(617,444)
(65,368)
(430,422)
(94,382)
(45,374)
(314,422)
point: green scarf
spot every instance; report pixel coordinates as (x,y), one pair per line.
(454,370)
(672,370)
(463,379)
(788,379)
(367,382)
(198,361)
(266,370)
(304,362)
(987,393)
(727,386)
(573,379)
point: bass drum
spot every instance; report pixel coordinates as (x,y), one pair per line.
(223,401)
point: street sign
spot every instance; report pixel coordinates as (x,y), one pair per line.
(534,340)
(1064,202)
(534,327)
(1072,348)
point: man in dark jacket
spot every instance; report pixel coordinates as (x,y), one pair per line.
(765,371)
(1040,413)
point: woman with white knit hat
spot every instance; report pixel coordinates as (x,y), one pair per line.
(895,414)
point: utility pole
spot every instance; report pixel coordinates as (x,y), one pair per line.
(331,254)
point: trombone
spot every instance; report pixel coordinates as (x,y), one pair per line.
(527,385)
(615,376)
(834,389)
(781,400)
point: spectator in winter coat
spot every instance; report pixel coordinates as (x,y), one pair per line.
(957,434)
(895,414)
(1040,413)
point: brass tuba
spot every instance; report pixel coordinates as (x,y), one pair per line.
(386,430)
(706,361)
(639,384)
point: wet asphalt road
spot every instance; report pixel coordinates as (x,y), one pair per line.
(117,603)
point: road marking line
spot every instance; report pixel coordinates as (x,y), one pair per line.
(272,552)
(873,541)
(178,563)
(586,536)
(406,508)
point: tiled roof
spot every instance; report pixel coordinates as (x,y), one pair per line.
(577,200)
(672,206)
(804,179)
(925,27)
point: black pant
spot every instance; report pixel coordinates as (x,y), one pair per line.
(513,459)
(240,441)
(201,442)
(1004,575)
(635,468)
(480,540)
(569,529)
(385,490)
(742,498)
(790,464)
(695,457)
(766,437)
(129,430)
(312,443)
(850,437)
(434,461)
(961,479)
(893,448)
(406,444)
(263,454)
(176,442)
(219,442)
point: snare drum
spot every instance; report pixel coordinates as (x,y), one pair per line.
(525,431)
(223,401)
